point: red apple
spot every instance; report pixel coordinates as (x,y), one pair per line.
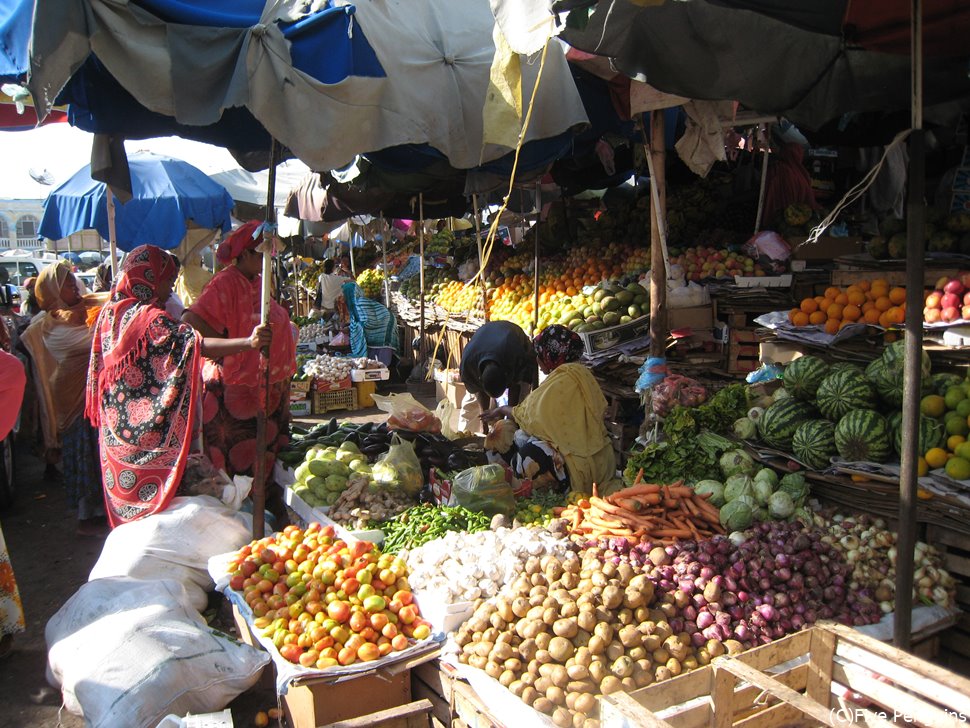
(950,300)
(933,299)
(954,286)
(931,315)
(965,278)
(950,313)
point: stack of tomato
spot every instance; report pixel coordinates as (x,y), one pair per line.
(324,601)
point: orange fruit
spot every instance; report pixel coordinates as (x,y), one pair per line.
(824,305)
(864,285)
(834,311)
(854,288)
(889,337)
(800,319)
(897,295)
(896,315)
(832,292)
(871,316)
(819,300)
(868,305)
(831,326)
(883,303)
(791,314)
(851,313)
(842,298)
(818,317)
(857,298)
(884,320)
(845,323)
(809,305)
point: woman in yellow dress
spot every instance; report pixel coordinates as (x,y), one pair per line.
(560,439)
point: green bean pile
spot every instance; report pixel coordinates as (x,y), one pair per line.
(423,523)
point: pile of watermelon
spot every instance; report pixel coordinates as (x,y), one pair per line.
(844,410)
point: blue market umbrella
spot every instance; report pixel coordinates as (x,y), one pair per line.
(167,194)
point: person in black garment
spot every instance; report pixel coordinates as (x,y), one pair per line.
(499,357)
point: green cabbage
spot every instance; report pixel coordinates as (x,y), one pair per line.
(795,486)
(744,428)
(781,505)
(762,491)
(768,475)
(736,462)
(715,488)
(736,486)
(736,515)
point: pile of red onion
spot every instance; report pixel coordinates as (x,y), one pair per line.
(781,578)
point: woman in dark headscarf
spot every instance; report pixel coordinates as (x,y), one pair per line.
(561,439)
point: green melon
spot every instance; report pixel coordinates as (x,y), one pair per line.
(778,423)
(844,366)
(863,436)
(895,353)
(814,443)
(844,391)
(803,376)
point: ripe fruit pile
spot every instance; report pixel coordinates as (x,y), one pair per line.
(371,282)
(950,301)
(703,262)
(871,302)
(325,602)
(946,413)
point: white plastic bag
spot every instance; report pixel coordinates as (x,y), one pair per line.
(128,652)
(174,544)
(445,411)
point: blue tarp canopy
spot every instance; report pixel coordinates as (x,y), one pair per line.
(166,195)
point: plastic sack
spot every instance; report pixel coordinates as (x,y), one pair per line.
(484,488)
(770,250)
(675,390)
(201,477)
(399,468)
(128,652)
(174,544)
(406,413)
(445,411)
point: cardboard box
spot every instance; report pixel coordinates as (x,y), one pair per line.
(693,317)
(316,703)
(772,352)
(601,339)
(300,407)
(825,248)
(454,392)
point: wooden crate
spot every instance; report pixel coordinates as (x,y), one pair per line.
(955,642)
(829,675)
(743,351)
(454,703)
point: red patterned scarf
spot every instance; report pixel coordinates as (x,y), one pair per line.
(144,376)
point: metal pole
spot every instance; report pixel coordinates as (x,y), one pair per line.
(385,231)
(259,467)
(112,234)
(656,156)
(421,267)
(481,256)
(912,378)
(766,129)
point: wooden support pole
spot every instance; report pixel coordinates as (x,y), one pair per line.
(656,156)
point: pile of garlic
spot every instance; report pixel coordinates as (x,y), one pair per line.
(309,333)
(329,368)
(462,567)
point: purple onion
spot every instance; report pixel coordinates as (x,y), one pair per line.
(690,613)
(697,639)
(705,620)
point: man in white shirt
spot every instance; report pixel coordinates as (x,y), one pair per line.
(329,288)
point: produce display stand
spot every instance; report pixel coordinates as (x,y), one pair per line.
(829,675)
(454,703)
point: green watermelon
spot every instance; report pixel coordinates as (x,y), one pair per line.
(803,376)
(895,353)
(844,391)
(939,383)
(814,443)
(932,433)
(844,366)
(863,435)
(778,424)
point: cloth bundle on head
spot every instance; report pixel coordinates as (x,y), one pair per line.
(241,239)
(47,289)
(556,345)
(144,374)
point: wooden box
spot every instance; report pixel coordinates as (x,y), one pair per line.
(743,351)
(319,702)
(829,675)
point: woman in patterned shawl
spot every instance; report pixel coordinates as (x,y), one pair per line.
(143,384)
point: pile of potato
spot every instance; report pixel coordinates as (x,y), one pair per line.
(571,628)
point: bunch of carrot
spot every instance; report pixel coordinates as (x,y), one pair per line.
(657,513)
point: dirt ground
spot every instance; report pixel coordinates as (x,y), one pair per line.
(51,562)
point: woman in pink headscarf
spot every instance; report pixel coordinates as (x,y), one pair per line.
(234,389)
(143,383)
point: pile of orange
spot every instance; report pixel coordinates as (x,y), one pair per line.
(871,302)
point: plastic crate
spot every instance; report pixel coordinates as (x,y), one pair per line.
(335,399)
(365,393)
(326,385)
